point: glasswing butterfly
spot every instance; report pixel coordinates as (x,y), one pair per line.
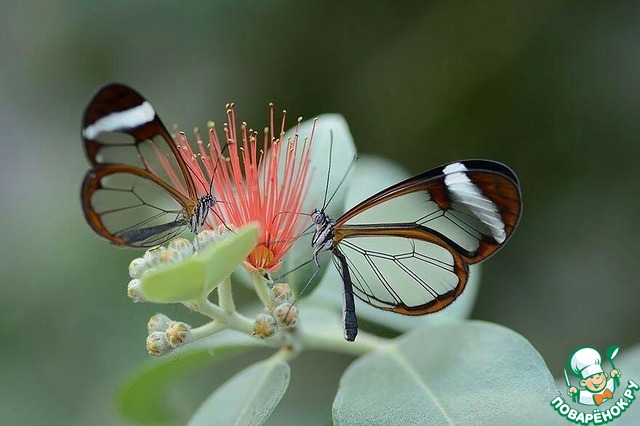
(139,192)
(444,220)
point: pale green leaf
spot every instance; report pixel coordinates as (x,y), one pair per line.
(342,152)
(197,276)
(457,373)
(248,398)
(332,143)
(142,396)
(321,322)
(371,175)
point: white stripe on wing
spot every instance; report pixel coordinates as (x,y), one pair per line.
(122,120)
(464,191)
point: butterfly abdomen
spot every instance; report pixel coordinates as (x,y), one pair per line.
(139,235)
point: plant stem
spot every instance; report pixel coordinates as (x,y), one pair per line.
(365,343)
(207,330)
(232,320)
(225,296)
(286,354)
(262,288)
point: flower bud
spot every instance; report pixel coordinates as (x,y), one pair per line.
(157,344)
(182,246)
(178,333)
(134,291)
(158,322)
(137,267)
(168,256)
(152,256)
(286,315)
(264,326)
(204,238)
(223,231)
(281,293)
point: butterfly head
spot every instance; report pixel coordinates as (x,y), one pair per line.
(323,236)
(207,201)
(319,217)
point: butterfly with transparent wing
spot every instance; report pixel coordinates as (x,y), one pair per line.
(416,263)
(139,192)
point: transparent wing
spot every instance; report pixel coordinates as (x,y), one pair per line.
(121,127)
(404,275)
(132,207)
(473,206)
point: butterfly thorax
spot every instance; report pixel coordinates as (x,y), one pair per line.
(199,216)
(323,236)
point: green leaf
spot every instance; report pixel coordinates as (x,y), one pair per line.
(248,398)
(372,174)
(197,276)
(342,151)
(458,373)
(319,321)
(142,397)
(332,143)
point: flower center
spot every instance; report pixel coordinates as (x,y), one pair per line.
(262,257)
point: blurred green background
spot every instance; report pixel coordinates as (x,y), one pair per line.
(551,88)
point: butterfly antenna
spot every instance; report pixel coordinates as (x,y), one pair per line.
(193,173)
(344,178)
(326,187)
(226,145)
(279,213)
(307,231)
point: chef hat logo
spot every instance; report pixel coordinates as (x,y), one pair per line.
(585,362)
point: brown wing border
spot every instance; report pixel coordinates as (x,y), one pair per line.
(92,183)
(496,181)
(460,269)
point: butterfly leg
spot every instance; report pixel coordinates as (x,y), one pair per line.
(349,317)
(315,273)
(315,259)
(292,270)
(217,215)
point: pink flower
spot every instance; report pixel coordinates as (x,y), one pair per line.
(253,184)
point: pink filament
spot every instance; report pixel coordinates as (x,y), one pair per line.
(250,184)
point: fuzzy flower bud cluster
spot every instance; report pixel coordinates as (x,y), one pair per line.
(210,236)
(176,251)
(166,334)
(281,314)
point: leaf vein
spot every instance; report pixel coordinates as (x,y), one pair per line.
(404,363)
